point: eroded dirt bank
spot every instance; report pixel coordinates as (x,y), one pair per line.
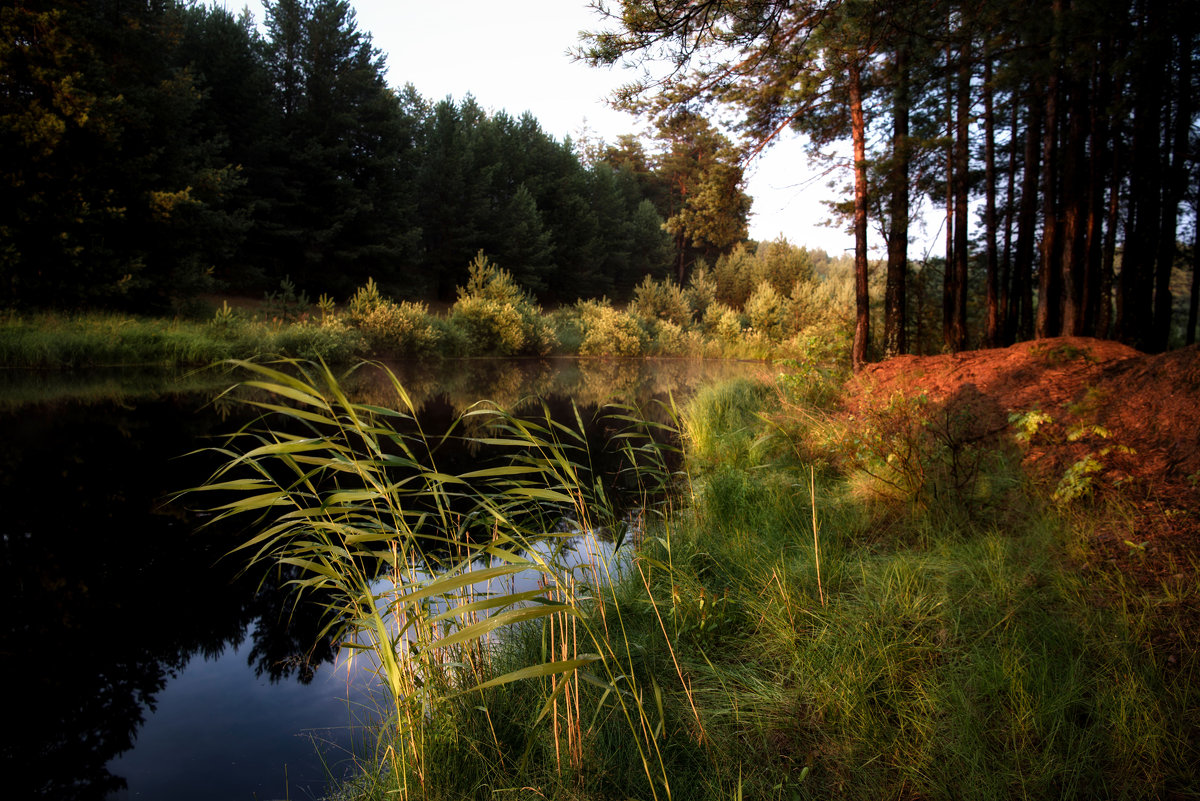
(1136,415)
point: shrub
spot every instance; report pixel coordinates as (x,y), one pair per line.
(821,307)
(490,327)
(663,300)
(568,329)
(766,310)
(670,339)
(924,452)
(701,291)
(733,275)
(331,341)
(723,323)
(777,263)
(452,340)
(497,316)
(609,332)
(396,328)
(286,305)
(782,265)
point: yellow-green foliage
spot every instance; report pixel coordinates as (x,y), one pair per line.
(822,307)
(497,316)
(766,310)
(395,328)
(672,340)
(734,276)
(782,264)
(722,323)
(701,290)
(777,263)
(662,300)
(609,332)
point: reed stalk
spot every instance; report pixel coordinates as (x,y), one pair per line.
(409,561)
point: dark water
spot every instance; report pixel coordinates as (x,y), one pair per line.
(138,661)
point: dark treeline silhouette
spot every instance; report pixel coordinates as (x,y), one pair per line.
(1066,129)
(156,150)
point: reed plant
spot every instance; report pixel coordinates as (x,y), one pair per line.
(772,636)
(415,565)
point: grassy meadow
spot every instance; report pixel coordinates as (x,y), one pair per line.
(808,611)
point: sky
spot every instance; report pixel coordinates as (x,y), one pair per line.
(512,56)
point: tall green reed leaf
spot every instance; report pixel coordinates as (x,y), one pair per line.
(406,558)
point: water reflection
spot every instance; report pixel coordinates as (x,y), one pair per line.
(109,593)
(114,602)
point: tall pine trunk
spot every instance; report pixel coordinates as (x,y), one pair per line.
(894,336)
(1135,308)
(1027,218)
(1075,210)
(1049,308)
(1100,161)
(1194,298)
(992,321)
(948,288)
(958,326)
(858,130)
(1009,304)
(1174,189)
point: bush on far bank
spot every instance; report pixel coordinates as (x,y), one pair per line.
(764,304)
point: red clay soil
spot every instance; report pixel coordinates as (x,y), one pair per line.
(1137,415)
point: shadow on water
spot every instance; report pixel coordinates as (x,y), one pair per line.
(114,598)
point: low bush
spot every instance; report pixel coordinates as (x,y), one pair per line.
(662,300)
(389,328)
(723,323)
(701,291)
(766,311)
(610,332)
(497,317)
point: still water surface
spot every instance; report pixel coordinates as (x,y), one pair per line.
(143,665)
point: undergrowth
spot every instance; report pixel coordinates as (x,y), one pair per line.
(785,311)
(819,613)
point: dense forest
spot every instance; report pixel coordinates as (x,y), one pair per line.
(155,150)
(1069,125)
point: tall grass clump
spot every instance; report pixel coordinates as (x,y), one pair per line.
(942,655)
(774,635)
(414,567)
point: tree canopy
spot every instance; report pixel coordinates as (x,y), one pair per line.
(1070,127)
(152,151)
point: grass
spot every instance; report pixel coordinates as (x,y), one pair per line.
(947,646)
(493,316)
(98,339)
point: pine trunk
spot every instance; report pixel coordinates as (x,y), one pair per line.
(1176,186)
(1008,300)
(894,338)
(948,289)
(1049,308)
(962,207)
(1027,219)
(992,323)
(862,320)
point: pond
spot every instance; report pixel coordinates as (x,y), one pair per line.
(146,663)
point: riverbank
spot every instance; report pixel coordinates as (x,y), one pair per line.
(48,341)
(893,594)
(492,316)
